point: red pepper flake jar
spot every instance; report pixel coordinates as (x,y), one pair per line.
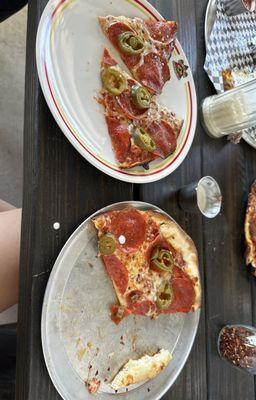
(237,345)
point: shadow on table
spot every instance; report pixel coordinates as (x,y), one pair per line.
(7,361)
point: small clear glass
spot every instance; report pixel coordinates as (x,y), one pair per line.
(203,197)
(230,112)
(235,7)
(237,345)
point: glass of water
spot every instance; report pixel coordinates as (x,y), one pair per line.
(230,112)
(203,196)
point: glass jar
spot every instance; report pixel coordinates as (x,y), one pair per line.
(231,111)
(237,345)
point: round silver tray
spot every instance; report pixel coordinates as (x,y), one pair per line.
(77,331)
(209,22)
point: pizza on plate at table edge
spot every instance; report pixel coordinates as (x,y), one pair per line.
(153,266)
(140,129)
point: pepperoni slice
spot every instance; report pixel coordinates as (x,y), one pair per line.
(137,156)
(117,272)
(120,137)
(113,32)
(159,241)
(128,156)
(163,31)
(118,313)
(107,60)
(164,137)
(131,60)
(123,104)
(116,29)
(143,307)
(124,100)
(130,224)
(154,72)
(184,292)
(112,108)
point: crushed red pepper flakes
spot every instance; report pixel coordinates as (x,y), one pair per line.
(235,345)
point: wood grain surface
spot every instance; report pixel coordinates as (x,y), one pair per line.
(60,186)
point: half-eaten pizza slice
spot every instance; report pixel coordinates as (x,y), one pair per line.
(151,261)
(144,46)
(140,129)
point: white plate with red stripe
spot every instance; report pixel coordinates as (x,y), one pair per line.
(68,51)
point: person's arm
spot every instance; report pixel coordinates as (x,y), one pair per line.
(4,206)
(10,230)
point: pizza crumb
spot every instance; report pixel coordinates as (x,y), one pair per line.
(93,385)
(110,355)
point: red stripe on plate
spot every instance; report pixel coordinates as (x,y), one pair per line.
(57,7)
(147,9)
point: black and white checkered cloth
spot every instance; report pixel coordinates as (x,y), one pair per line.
(232,45)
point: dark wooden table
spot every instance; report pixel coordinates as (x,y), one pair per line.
(59,185)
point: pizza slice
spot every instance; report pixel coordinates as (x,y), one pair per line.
(151,261)
(143,369)
(250,229)
(140,129)
(144,46)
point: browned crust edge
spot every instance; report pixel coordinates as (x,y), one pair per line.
(250,252)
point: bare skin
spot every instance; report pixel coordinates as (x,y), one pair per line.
(10,229)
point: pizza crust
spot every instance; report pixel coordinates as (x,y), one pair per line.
(175,235)
(236,77)
(145,368)
(250,254)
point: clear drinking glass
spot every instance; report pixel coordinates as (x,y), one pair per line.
(230,112)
